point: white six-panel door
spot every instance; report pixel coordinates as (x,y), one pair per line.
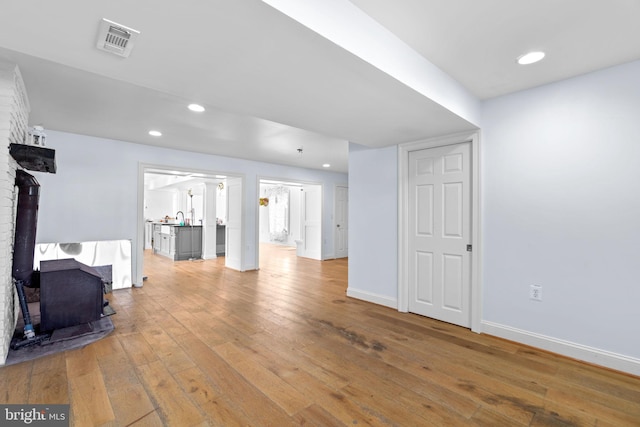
(439,232)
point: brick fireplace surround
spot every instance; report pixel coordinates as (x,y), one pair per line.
(14,118)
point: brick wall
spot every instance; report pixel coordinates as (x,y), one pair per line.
(14,113)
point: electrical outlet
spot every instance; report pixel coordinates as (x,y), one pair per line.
(535,292)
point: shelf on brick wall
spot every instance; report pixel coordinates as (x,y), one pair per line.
(34,158)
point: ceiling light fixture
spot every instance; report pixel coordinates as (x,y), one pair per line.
(326,165)
(155,133)
(530,58)
(197,108)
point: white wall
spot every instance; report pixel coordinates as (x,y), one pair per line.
(561,186)
(160,203)
(373,224)
(561,209)
(94,194)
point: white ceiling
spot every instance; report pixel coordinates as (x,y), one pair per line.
(271,85)
(477,41)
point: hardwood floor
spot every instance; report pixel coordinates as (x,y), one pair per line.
(203,345)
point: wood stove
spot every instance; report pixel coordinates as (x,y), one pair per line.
(71,293)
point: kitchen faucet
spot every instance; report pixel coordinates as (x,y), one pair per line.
(180,212)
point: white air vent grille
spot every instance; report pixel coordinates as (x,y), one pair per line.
(116,38)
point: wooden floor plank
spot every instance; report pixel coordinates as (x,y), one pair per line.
(14,383)
(274,387)
(210,399)
(81,361)
(316,415)
(166,349)
(90,404)
(138,349)
(130,404)
(48,382)
(200,344)
(152,419)
(251,401)
(174,406)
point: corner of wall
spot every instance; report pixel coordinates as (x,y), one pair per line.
(14,113)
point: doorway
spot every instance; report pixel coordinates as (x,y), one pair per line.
(174,196)
(290,216)
(440,275)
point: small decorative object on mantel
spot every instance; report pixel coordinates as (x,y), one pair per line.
(264,201)
(37,136)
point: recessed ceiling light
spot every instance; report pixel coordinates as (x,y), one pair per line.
(530,58)
(197,108)
(326,165)
(155,133)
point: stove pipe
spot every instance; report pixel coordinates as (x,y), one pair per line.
(26,222)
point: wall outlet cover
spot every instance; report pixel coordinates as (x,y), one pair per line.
(535,293)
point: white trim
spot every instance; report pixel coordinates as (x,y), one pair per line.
(137,246)
(373,298)
(322,205)
(476,236)
(585,353)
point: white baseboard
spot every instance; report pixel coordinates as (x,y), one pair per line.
(374,298)
(585,353)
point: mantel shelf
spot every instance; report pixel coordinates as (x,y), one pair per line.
(34,158)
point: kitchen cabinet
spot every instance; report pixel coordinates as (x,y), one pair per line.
(188,242)
(178,242)
(157,238)
(165,246)
(162,240)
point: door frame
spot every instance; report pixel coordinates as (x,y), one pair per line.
(284,181)
(138,273)
(403,223)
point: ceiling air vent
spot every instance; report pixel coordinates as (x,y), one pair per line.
(116,38)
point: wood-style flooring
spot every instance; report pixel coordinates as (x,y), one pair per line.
(202,345)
